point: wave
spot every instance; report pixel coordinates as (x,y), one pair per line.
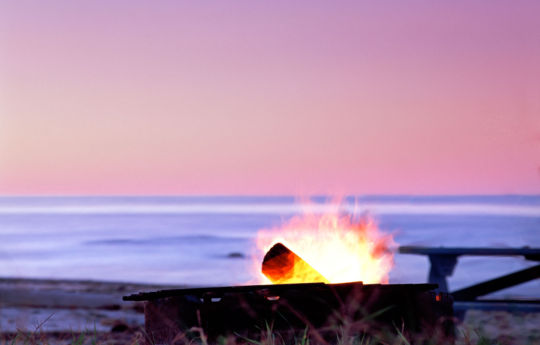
(163,240)
(277,209)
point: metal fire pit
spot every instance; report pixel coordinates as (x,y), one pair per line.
(248,310)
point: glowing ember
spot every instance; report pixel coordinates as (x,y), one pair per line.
(328,247)
(281,266)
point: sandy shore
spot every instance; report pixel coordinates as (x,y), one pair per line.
(60,307)
(56,309)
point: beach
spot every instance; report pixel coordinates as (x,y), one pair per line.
(55,308)
(74,255)
(155,145)
(49,311)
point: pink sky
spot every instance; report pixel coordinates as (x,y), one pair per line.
(169,97)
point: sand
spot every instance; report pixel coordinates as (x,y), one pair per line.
(501,327)
(57,308)
(56,311)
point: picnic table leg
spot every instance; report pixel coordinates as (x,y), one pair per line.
(442,266)
(470,293)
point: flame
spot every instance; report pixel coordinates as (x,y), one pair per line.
(330,247)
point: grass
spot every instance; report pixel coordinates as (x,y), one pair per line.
(346,333)
(75,338)
(342,335)
(267,337)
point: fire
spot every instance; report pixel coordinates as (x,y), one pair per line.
(329,247)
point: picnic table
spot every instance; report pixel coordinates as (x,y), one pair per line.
(443,261)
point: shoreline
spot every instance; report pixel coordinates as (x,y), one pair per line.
(60,305)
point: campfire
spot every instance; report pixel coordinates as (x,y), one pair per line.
(329,248)
(317,272)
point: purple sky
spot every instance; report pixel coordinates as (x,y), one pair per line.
(245,97)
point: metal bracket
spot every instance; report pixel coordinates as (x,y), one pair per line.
(442,266)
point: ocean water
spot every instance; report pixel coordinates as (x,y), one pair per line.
(188,240)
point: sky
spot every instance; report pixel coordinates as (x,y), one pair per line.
(269,97)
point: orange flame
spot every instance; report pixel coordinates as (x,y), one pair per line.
(336,248)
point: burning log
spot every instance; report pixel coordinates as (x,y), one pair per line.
(282,266)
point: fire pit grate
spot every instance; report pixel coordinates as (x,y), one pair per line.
(246,310)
